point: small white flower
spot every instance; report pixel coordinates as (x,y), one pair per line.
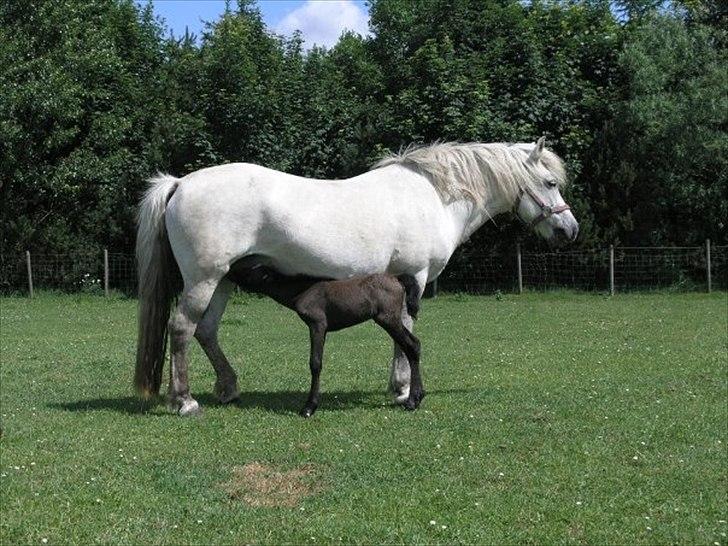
(174,526)
(649,528)
(433,522)
(44,540)
(578,503)
(98,500)
(199,521)
(501,474)
(635,458)
(444,526)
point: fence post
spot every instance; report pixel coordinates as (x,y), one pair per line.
(30,273)
(611,270)
(707,264)
(518,268)
(106,273)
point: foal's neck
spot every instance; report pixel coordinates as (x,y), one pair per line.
(282,288)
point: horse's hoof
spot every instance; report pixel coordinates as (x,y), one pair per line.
(306,412)
(401,395)
(190,408)
(410,405)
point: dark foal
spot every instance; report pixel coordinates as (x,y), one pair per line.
(330,305)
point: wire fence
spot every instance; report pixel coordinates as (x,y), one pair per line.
(699,268)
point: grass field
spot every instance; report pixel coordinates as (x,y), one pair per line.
(550,418)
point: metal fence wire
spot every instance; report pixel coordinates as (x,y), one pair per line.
(470,270)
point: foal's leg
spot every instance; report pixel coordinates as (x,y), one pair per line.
(399,378)
(192,304)
(410,346)
(226,385)
(318,338)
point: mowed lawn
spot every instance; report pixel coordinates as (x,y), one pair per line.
(550,418)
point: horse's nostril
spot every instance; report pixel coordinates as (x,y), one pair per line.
(574,233)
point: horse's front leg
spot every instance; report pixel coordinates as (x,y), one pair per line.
(318,338)
(226,384)
(400,374)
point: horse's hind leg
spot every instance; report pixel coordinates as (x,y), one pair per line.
(192,305)
(226,385)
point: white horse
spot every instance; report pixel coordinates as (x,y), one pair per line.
(406,215)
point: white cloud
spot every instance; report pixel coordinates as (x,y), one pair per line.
(322,21)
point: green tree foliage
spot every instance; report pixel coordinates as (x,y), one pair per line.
(77,119)
(660,169)
(96,97)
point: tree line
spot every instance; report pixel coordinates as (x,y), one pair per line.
(96,95)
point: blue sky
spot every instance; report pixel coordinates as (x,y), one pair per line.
(320,21)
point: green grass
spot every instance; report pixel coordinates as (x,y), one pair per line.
(550,418)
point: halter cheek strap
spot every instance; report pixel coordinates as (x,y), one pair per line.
(546,210)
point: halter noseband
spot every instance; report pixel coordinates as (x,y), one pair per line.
(546,210)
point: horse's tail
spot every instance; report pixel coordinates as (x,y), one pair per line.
(159,283)
(412,293)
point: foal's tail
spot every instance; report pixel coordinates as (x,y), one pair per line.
(159,283)
(412,294)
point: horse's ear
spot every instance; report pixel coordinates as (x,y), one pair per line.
(537,149)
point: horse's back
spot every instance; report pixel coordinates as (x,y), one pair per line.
(374,222)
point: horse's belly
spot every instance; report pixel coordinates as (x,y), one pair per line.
(328,260)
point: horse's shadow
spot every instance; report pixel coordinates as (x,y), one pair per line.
(281,402)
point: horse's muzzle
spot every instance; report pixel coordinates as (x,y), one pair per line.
(564,235)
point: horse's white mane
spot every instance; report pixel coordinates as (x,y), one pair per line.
(477,171)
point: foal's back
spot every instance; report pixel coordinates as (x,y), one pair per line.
(344,303)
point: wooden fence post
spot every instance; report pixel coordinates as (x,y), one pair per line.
(106,273)
(519,269)
(30,272)
(707,264)
(611,270)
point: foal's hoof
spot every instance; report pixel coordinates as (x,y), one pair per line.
(226,394)
(229,396)
(306,412)
(410,405)
(190,408)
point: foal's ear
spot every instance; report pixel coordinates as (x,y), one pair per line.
(537,149)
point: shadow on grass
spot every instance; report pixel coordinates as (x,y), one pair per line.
(282,402)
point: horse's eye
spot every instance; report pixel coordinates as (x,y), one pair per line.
(551,183)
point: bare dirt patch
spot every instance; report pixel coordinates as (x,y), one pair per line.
(259,484)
